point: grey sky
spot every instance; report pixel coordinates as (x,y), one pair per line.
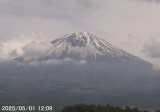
(127,24)
(150,1)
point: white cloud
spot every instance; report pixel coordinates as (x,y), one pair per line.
(36,48)
(84,52)
(156,67)
(26,45)
(152,48)
(69,60)
(30,47)
(30,62)
(82,62)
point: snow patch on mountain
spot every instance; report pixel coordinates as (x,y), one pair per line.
(86,44)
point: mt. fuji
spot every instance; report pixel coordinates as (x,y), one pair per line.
(81,68)
(85,45)
(87,42)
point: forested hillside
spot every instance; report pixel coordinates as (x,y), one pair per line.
(99,108)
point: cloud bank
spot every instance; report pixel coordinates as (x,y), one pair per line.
(29,49)
(31,45)
(152,48)
(156,67)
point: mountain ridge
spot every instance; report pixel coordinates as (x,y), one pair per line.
(87,44)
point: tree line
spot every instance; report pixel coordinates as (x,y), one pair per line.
(100,108)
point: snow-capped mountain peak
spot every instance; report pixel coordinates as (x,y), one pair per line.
(75,39)
(86,43)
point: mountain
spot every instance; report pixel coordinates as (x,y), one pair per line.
(81,68)
(88,47)
(88,44)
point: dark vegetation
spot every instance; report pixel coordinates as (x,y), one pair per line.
(100,108)
(69,84)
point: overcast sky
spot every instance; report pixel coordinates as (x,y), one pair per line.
(133,25)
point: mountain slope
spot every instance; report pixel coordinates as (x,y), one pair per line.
(107,75)
(85,44)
